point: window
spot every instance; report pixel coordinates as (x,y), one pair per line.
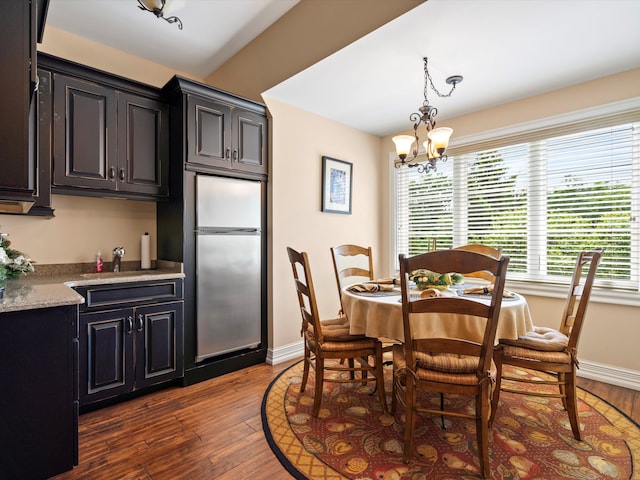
(542,195)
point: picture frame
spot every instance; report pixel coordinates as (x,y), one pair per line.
(337,181)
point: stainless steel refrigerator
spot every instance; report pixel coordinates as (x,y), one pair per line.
(228,265)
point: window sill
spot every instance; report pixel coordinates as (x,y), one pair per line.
(599,295)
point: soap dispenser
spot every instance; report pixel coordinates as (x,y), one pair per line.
(99,262)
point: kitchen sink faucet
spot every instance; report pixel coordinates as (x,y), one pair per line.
(118,253)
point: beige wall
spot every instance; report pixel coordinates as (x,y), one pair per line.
(299,140)
(81,226)
(611,331)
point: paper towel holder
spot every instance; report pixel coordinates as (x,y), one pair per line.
(145,257)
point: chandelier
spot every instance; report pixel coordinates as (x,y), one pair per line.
(437,138)
(157,8)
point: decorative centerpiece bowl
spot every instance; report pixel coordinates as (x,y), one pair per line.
(427,279)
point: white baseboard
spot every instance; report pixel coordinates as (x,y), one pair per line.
(285,353)
(613,375)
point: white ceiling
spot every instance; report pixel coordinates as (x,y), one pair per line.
(505,49)
(213,30)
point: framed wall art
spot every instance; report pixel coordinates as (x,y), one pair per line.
(336,185)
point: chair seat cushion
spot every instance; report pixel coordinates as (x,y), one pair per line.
(442,367)
(542,339)
(536,355)
(337,338)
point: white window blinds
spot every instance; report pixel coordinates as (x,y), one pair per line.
(542,196)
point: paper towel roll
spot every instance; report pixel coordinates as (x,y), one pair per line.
(145,255)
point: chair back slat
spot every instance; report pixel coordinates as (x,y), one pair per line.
(447,345)
(306,293)
(485,250)
(579,294)
(351,264)
(461,306)
(346,263)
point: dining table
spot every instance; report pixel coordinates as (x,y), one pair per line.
(379,315)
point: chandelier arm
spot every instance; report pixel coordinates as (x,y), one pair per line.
(159,13)
(174,19)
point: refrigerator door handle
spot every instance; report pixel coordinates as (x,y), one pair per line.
(227,231)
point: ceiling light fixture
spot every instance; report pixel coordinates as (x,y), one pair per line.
(437,138)
(157,8)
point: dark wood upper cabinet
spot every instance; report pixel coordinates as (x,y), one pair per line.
(84,131)
(249,131)
(221,135)
(18,122)
(224,133)
(110,134)
(143,145)
(208,133)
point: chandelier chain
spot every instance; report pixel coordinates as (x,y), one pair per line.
(427,76)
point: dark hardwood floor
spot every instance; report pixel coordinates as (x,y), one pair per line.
(211,430)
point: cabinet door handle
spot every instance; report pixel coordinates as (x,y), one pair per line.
(122,174)
(139,323)
(129,325)
(112,172)
(228,153)
(235,154)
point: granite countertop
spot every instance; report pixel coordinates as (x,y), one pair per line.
(53,287)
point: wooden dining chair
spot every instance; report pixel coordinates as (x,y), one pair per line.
(330,339)
(552,351)
(485,250)
(447,365)
(351,264)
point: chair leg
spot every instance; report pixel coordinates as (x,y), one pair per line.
(352,373)
(497,359)
(380,379)
(394,391)
(572,404)
(317,395)
(482,429)
(305,370)
(409,423)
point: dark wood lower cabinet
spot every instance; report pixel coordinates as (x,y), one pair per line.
(123,350)
(127,349)
(38,398)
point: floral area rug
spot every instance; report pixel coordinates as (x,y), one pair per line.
(531,438)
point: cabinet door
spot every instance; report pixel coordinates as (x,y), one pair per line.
(208,133)
(250,142)
(158,330)
(84,134)
(17,152)
(106,354)
(143,146)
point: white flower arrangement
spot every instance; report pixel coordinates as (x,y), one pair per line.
(12,262)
